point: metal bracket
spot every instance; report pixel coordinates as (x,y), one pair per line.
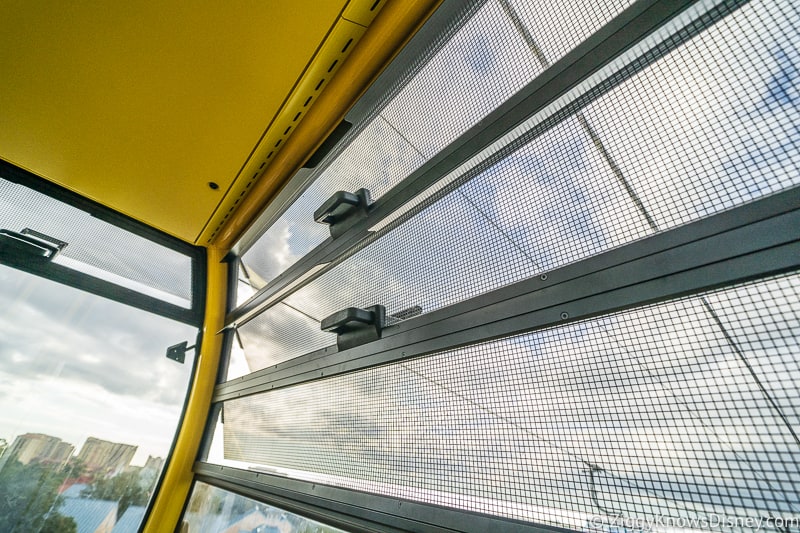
(32,244)
(343,209)
(177,352)
(354,326)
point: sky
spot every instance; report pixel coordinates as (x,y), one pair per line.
(652,395)
(74,365)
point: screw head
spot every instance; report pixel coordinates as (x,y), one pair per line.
(543,277)
(564,315)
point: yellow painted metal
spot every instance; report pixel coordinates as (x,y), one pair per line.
(325,64)
(390,30)
(363,12)
(139,105)
(175,487)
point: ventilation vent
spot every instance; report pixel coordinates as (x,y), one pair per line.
(340,42)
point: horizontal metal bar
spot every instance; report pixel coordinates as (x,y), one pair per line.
(99,287)
(363,511)
(424,43)
(326,252)
(613,39)
(746,242)
(106,289)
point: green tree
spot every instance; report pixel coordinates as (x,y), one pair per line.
(123,488)
(55,523)
(28,496)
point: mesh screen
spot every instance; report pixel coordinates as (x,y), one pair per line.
(97,247)
(684,410)
(477,69)
(669,145)
(713,124)
(280,333)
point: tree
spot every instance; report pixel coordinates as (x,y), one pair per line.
(55,523)
(29,497)
(123,488)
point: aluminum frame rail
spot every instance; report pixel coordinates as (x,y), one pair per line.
(354,510)
(754,240)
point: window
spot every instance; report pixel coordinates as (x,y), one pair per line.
(589,271)
(211,509)
(89,404)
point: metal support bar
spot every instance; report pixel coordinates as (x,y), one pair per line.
(612,40)
(354,509)
(748,242)
(97,286)
(106,289)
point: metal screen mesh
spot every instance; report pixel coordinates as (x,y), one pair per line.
(280,333)
(97,247)
(477,69)
(682,410)
(711,125)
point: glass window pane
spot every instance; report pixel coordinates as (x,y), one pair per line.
(215,510)
(89,405)
(479,66)
(668,146)
(686,409)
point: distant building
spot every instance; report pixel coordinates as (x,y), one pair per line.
(150,472)
(72,491)
(40,448)
(154,463)
(130,520)
(91,516)
(104,457)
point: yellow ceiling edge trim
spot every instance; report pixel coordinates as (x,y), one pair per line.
(363,11)
(391,29)
(169,500)
(338,45)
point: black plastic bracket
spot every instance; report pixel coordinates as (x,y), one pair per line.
(177,352)
(31,244)
(343,209)
(354,326)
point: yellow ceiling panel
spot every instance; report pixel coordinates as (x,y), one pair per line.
(140,105)
(340,42)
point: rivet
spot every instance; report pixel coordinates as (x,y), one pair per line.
(564,315)
(543,277)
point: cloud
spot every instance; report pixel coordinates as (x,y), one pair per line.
(49,329)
